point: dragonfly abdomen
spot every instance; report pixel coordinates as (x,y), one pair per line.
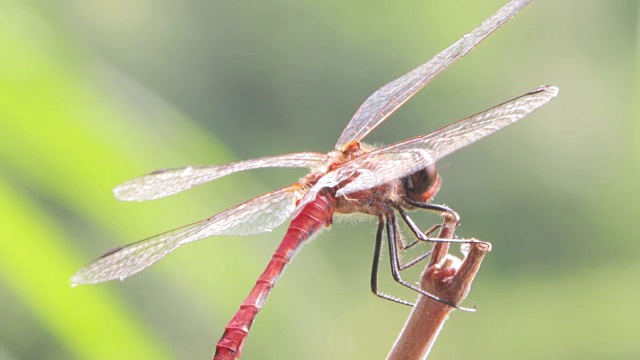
(311,218)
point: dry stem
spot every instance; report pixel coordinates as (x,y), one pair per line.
(446,277)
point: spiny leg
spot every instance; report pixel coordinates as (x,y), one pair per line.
(376,265)
(392,233)
(420,237)
(425,236)
(406,246)
(434,207)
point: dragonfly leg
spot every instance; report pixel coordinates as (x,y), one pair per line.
(424,236)
(406,246)
(392,236)
(376,264)
(421,237)
(434,207)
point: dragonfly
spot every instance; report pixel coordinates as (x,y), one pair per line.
(354,177)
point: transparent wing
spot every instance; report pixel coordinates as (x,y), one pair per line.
(384,102)
(170,181)
(254,216)
(401,159)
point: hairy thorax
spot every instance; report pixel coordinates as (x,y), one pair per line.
(420,186)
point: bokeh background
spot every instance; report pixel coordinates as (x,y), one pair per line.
(93,93)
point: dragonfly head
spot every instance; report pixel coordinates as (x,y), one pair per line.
(422,186)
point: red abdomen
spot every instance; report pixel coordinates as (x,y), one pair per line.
(312,217)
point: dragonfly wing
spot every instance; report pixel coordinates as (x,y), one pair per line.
(162,183)
(466,131)
(401,159)
(383,169)
(254,216)
(384,102)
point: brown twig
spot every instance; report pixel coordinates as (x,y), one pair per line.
(446,277)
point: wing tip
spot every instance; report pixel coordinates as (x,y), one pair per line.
(551,90)
(120,193)
(79,279)
(85,276)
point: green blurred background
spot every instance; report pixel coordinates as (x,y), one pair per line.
(93,93)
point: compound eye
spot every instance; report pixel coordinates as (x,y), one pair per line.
(420,186)
(431,174)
